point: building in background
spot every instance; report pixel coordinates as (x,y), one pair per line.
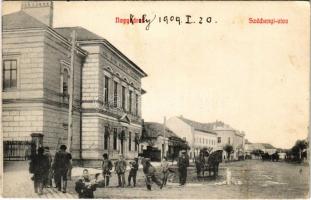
(263,147)
(36,86)
(212,136)
(198,135)
(227,135)
(156,144)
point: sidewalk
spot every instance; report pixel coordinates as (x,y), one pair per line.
(17,183)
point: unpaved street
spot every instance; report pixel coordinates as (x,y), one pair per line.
(250,179)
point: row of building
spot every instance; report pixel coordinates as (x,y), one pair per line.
(64,84)
(210,136)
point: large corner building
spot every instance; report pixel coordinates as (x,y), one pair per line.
(37,72)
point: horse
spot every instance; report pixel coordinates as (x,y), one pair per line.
(208,163)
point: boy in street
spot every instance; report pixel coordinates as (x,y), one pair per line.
(133,172)
(85,187)
(120,168)
(106,167)
(164,168)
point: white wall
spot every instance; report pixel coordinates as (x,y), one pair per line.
(180,128)
(202,139)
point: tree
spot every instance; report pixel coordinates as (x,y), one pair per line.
(298,148)
(229,149)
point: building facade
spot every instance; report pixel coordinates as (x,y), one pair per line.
(198,135)
(213,136)
(37,78)
(227,135)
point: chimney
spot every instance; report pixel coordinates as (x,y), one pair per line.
(41,10)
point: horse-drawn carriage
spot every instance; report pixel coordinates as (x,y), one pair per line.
(208,162)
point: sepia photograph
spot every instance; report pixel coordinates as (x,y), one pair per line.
(155,99)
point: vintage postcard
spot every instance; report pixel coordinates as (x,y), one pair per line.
(162,100)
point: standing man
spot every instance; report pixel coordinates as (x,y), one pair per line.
(40,167)
(183,163)
(106,167)
(133,172)
(61,165)
(49,173)
(149,172)
(120,168)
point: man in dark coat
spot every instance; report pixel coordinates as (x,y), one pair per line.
(120,168)
(106,167)
(133,172)
(60,166)
(40,166)
(183,163)
(85,187)
(49,173)
(149,172)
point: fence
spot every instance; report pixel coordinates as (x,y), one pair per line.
(16,150)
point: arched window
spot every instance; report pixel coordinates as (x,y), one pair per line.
(64,77)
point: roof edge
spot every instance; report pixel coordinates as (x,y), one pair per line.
(118,53)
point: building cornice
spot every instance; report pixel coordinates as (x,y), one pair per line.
(116,52)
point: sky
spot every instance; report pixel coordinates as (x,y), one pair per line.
(254,77)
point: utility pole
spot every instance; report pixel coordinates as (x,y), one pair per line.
(71,90)
(164,136)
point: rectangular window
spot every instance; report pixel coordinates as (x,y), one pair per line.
(106,90)
(115,95)
(115,137)
(228,140)
(9,74)
(130,141)
(123,97)
(136,105)
(219,139)
(106,138)
(130,101)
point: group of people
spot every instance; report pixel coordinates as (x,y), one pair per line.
(45,169)
(85,187)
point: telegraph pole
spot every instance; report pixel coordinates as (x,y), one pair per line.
(71,89)
(164,136)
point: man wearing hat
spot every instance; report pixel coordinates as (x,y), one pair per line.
(60,166)
(40,167)
(48,173)
(106,167)
(183,163)
(133,172)
(120,168)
